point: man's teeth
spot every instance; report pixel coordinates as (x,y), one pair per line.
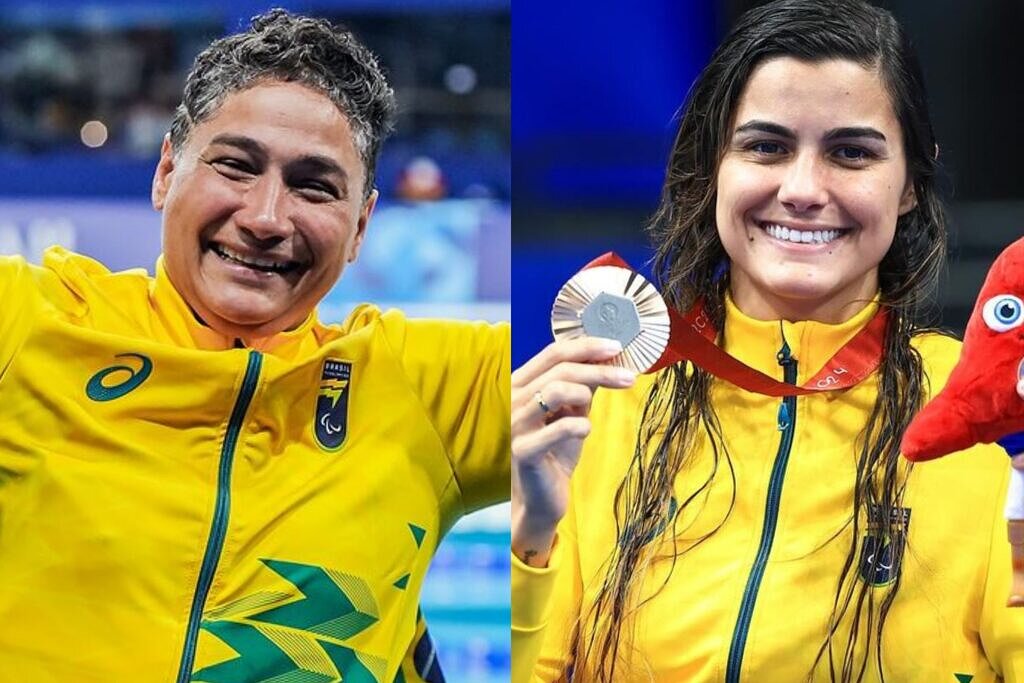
(264,264)
(781,232)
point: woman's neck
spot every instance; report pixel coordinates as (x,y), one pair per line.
(834,308)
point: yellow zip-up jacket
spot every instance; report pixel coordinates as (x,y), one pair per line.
(751,603)
(174,509)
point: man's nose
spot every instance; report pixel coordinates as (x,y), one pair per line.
(803,186)
(265,211)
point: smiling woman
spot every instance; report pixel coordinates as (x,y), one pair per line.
(681,528)
(809,195)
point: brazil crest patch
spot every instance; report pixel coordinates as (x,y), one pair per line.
(330,424)
(881,554)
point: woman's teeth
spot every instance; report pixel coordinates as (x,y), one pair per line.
(781,232)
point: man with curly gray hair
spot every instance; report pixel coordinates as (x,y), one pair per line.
(293,49)
(200,481)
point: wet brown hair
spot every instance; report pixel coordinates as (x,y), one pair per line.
(688,266)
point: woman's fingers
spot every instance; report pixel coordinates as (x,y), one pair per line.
(582,374)
(556,396)
(562,438)
(581,350)
(551,398)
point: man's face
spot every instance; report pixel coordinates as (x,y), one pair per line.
(262,208)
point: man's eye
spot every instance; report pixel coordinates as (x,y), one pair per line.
(317,190)
(233,167)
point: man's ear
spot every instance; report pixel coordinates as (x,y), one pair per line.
(163,175)
(364,220)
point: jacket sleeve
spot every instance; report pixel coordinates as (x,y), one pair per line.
(545,610)
(420,663)
(15,293)
(462,374)
(1002,627)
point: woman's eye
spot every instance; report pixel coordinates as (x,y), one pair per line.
(852,153)
(767,147)
(1003,312)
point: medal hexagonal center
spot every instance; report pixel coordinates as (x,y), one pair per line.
(612,317)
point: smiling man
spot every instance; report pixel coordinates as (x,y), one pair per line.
(268,201)
(199,481)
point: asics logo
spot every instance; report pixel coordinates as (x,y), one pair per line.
(118,380)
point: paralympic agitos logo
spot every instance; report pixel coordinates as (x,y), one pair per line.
(330,421)
(881,551)
(117,380)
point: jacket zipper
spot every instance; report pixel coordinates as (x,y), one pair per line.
(787,425)
(221,511)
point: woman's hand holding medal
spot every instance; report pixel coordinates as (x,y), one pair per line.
(551,397)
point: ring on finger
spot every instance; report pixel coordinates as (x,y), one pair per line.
(539,398)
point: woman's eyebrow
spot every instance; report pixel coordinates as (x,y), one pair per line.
(855,132)
(766,127)
(834,134)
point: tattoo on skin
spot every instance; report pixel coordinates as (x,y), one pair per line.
(527,556)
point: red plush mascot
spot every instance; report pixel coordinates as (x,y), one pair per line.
(983,402)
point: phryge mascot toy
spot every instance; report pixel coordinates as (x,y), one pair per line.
(983,401)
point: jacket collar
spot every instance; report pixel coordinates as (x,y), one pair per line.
(812,343)
(184,328)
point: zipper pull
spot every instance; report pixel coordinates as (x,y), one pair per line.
(785,359)
(783,416)
(784,356)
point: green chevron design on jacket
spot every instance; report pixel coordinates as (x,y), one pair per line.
(418,533)
(336,605)
(283,643)
(260,660)
(352,670)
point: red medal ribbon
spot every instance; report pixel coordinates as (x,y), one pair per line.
(692,338)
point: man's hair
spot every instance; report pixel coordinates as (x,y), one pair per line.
(284,47)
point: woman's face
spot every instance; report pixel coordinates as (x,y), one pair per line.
(810,186)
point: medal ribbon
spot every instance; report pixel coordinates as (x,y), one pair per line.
(692,338)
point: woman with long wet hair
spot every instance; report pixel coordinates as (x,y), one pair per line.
(707,533)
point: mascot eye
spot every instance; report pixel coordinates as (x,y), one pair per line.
(1003,312)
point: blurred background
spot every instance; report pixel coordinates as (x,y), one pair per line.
(87,91)
(595,114)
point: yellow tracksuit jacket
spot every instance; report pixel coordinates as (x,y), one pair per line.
(752,602)
(174,509)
